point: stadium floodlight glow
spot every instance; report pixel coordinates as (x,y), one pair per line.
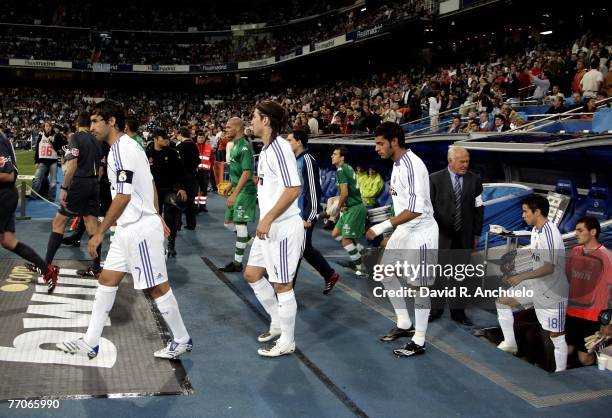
(364,9)
(244,77)
(546,32)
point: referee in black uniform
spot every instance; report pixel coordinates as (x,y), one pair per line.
(80,193)
(8,206)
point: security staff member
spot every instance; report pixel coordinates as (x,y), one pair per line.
(190,157)
(8,205)
(80,194)
(207,161)
(167,170)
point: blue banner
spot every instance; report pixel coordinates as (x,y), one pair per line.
(358,35)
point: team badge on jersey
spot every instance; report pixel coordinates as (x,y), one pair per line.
(124,176)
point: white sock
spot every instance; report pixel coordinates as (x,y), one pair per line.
(560,352)
(422,307)
(359,247)
(103,303)
(338,238)
(506,322)
(265,295)
(230,226)
(287,309)
(398,302)
(169,309)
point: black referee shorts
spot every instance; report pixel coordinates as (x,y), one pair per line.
(83,198)
(8,205)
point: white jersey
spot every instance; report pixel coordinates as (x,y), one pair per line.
(547,247)
(409,190)
(277,169)
(129,173)
(45,148)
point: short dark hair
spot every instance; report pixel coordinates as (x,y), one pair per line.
(131,123)
(300,135)
(84,120)
(184,132)
(344,151)
(390,130)
(160,132)
(109,109)
(590,223)
(535,201)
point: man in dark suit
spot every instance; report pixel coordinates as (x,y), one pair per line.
(456,197)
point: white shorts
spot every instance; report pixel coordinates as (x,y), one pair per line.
(550,308)
(139,249)
(414,247)
(280,253)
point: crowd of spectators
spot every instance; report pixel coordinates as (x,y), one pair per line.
(479,94)
(175,16)
(137,47)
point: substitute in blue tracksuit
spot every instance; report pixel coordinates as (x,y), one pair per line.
(309,205)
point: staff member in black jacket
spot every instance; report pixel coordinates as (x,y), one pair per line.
(190,157)
(456,197)
(167,170)
(309,203)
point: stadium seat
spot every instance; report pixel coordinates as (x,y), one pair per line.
(384,198)
(568,188)
(325,179)
(328,185)
(602,120)
(598,203)
(534,109)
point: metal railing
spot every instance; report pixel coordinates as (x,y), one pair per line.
(441,125)
(22,188)
(553,118)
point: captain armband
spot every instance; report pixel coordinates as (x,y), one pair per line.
(125,176)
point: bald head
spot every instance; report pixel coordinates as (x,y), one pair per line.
(458,160)
(234,128)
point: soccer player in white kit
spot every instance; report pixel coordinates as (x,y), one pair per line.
(138,244)
(279,243)
(415,239)
(546,280)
